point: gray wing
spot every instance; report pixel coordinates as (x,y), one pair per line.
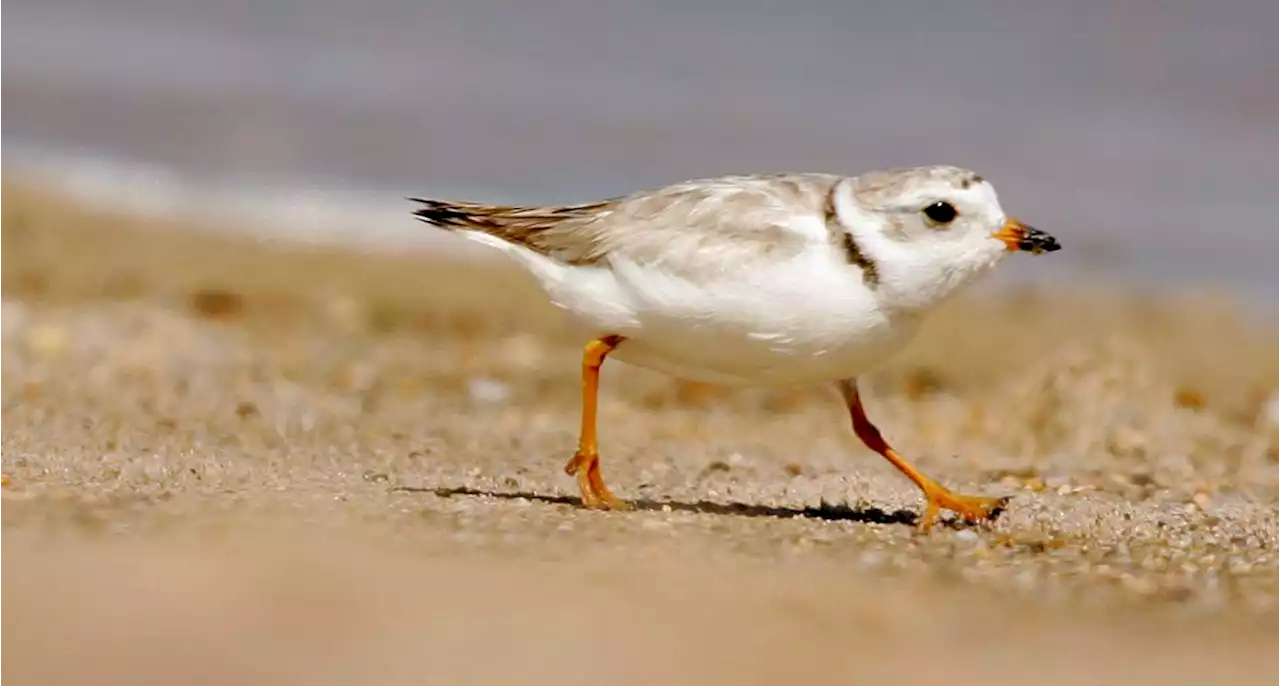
(731,220)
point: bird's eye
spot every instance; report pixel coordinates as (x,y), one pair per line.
(941,212)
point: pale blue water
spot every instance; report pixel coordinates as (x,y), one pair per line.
(1143,133)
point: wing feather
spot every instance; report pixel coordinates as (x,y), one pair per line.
(686,229)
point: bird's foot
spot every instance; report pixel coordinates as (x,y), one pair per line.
(595,494)
(972,509)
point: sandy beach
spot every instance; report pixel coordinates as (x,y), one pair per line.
(241,461)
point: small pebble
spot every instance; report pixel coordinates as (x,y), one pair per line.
(488,391)
(1058,481)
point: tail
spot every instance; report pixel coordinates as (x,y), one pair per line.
(549,241)
(513,230)
(481,223)
(453,216)
(561,232)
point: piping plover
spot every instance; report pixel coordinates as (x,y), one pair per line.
(778,279)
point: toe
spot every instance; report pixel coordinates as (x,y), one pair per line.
(977,510)
(575,463)
(612,502)
(971,509)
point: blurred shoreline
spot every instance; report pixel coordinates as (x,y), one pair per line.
(350,216)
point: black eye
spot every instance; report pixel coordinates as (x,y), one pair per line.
(941,212)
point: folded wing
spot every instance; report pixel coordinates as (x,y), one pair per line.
(687,229)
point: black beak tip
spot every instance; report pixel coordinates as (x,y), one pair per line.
(1037,241)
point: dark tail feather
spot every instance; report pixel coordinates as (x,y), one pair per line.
(445,215)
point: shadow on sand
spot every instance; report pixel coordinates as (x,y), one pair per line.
(828,511)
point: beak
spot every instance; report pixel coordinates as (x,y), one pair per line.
(1019,236)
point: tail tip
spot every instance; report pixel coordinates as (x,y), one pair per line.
(436,212)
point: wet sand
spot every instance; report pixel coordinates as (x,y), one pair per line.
(238,462)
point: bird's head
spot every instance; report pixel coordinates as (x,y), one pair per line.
(930,230)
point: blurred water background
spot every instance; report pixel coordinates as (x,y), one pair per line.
(1142,132)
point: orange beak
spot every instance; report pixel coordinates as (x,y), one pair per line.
(1019,236)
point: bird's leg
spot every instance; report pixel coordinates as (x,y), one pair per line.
(585,463)
(970,508)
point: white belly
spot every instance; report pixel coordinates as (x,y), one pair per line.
(733,360)
(800,323)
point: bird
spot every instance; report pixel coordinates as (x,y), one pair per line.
(767,280)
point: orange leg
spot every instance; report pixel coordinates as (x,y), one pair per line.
(970,508)
(585,463)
